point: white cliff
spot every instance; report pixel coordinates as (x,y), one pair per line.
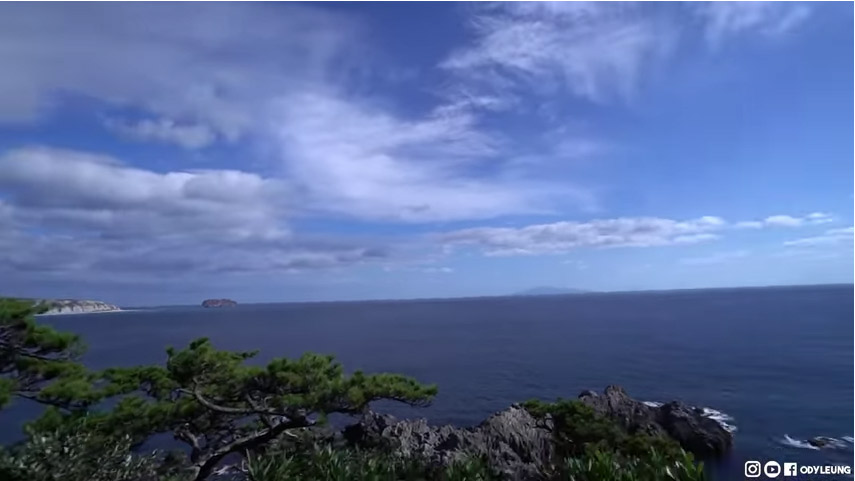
(76,306)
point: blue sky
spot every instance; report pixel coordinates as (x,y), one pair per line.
(165,153)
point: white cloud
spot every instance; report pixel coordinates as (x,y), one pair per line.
(202,65)
(717,258)
(790,221)
(592,50)
(561,237)
(78,214)
(114,199)
(782,221)
(730,19)
(819,218)
(165,130)
(786,221)
(354,158)
(830,237)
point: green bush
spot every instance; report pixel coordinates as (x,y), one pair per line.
(608,466)
(329,464)
(78,456)
(596,448)
(579,429)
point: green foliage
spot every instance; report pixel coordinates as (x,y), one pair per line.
(328,464)
(579,429)
(75,455)
(606,465)
(217,404)
(597,448)
(38,362)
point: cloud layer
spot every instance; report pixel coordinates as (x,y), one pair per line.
(307,145)
(72,213)
(212,66)
(562,237)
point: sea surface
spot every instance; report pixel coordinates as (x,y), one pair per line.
(776,364)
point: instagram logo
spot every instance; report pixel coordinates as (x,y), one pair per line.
(752,469)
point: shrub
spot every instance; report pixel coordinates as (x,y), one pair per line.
(601,465)
(78,456)
(345,464)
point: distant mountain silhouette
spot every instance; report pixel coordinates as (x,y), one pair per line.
(549,291)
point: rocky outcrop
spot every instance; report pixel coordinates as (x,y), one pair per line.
(685,424)
(513,441)
(218,303)
(520,446)
(825,442)
(75,306)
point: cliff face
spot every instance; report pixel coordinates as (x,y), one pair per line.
(76,306)
(519,446)
(218,303)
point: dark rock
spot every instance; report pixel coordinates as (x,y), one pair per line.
(695,432)
(218,303)
(615,403)
(823,442)
(685,424)
(520,447)
(512,441)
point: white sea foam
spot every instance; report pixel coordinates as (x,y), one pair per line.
(724,419)
(844,443)
(835,443)
(796,443)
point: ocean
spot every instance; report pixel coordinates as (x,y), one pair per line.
(776,364)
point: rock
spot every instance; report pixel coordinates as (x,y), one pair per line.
(615,403)
(75,306)
(513,442)
(685,424)
(695,433)
(520,447)
(824,442)
(218,303)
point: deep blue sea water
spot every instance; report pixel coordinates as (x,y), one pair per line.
(778,361)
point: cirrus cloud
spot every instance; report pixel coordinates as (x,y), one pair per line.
(562,237)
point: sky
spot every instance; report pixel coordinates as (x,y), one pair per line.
(157,153)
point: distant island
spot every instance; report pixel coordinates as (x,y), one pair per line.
(218,303)
(75,306)
(549,291)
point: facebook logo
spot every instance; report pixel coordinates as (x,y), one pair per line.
(790,469)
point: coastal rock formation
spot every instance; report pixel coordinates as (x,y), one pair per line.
(218,303)
(685,424)
(826,442)
(520,446)
(75,306)
(515,443)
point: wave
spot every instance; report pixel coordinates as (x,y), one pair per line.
(795,443)
(723,419)
(819,442)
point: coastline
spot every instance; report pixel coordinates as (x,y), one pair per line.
(84,312)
